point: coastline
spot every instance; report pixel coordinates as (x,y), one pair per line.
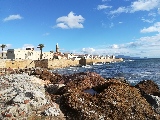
(50,64)
(82,96)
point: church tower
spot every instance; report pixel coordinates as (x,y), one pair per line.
(57,48)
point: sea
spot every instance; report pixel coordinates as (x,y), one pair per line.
(132,70)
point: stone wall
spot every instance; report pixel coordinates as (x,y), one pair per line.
(62,63)
(2,63)
(51,64)
(19,64)
(92,61)
(41,63)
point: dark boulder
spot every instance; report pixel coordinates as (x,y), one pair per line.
(148,87)
(91,97)
(150,91)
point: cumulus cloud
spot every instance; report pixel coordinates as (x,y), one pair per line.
(154,28)
(88,50)
(142,47)
(139,5)
(100,7)
(114,46)
(70,21)
(12,17)
(144,5)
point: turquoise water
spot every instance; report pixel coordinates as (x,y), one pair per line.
(134,70)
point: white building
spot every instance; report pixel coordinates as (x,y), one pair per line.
(29,53)
(4,55)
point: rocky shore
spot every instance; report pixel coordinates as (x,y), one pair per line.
(40,94)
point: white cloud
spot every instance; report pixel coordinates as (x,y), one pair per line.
(12,17)
(100,7)
(148,20)
(139,5)
(8,46)
(152,14)
(62,25)
(114,46)
(88,50)
(104,0)
(27,46)
(119,10)
(154,28)
(142,47)
(144,5)
(70,21)
(158,10)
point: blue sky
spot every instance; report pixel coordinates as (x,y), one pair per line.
(118,27)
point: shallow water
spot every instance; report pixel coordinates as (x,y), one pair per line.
(132,70)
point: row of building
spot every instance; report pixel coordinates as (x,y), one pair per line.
(30,53)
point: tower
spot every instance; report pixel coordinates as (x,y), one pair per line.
(57,48)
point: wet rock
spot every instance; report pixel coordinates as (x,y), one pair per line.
(53,88)
(156,103)
(56,78)
(92,97)
(150,91)
(36,72)
(148,87)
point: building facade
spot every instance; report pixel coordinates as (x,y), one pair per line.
(14,54)
(4,55)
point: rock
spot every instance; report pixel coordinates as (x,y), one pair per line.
(38,72)
(53,88)
(51,111)
(26,101)
(9,71)
(8,115)
(148,87)
(156,103)
(21,96)
(111,99)
(150,91)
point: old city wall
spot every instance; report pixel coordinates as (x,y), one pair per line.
(15,64)
(91,61)
(41,63)
(2,63)
(51,64)
(103,60)
(62,63)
